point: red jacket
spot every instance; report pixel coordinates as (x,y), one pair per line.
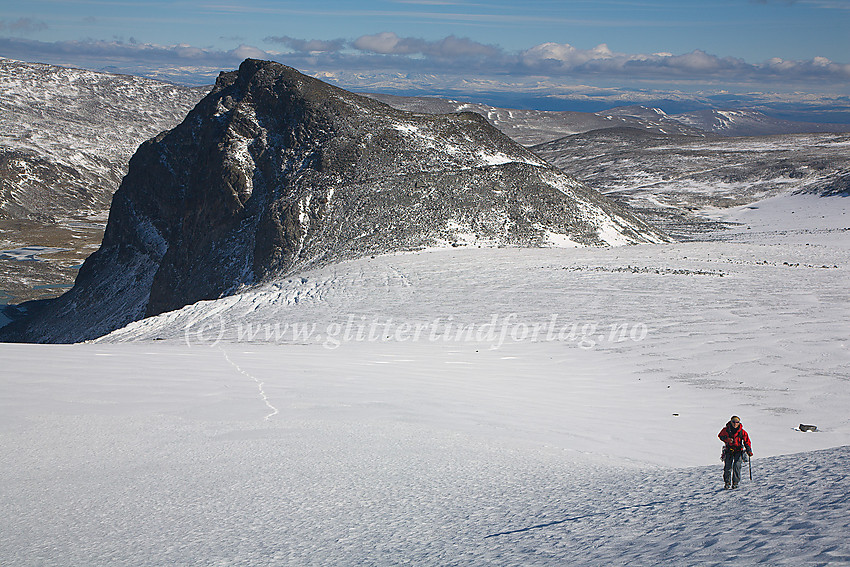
(735,439)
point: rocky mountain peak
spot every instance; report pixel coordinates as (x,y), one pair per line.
(274,171)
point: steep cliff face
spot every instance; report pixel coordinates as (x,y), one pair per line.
(274,172)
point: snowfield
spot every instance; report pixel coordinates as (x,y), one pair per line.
(556,406)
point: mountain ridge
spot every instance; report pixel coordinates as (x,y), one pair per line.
(274,171)
(738,122)
(532,127)
(67,134)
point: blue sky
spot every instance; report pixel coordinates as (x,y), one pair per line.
(773,50)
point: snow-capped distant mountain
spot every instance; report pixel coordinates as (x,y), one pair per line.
(637,111)
(751,123)
(675,180)
(275,171)
(66,135)
(531,127)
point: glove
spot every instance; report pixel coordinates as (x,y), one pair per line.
(749,453)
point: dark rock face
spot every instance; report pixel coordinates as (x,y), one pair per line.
(274,172)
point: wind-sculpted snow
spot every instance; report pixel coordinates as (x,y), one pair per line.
(753,321)
(275,172)
(450,406)
(391,454)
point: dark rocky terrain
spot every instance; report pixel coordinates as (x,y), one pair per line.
(274,172)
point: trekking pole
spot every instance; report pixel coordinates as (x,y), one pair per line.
(750,461)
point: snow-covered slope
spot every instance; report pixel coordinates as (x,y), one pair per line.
(66,135)
(375,448)
(148,454)
(576,424)
(751,123)
(756,319)
(461,406)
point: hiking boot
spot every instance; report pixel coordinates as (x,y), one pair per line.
(735,485)
(727,485)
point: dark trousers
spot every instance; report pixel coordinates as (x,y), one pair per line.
(732,463)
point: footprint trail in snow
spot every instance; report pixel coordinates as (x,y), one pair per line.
(260,384)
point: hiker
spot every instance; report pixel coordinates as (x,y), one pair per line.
(737,442)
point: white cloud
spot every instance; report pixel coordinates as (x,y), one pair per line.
(248,52)
(388,43)
(564,53)
(450,56)
(308,45)
(187,51)
(564,59)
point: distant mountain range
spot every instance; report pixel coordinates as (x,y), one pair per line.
(532,127)
(751,123)
(275,172)
(676,181)
(68,134)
